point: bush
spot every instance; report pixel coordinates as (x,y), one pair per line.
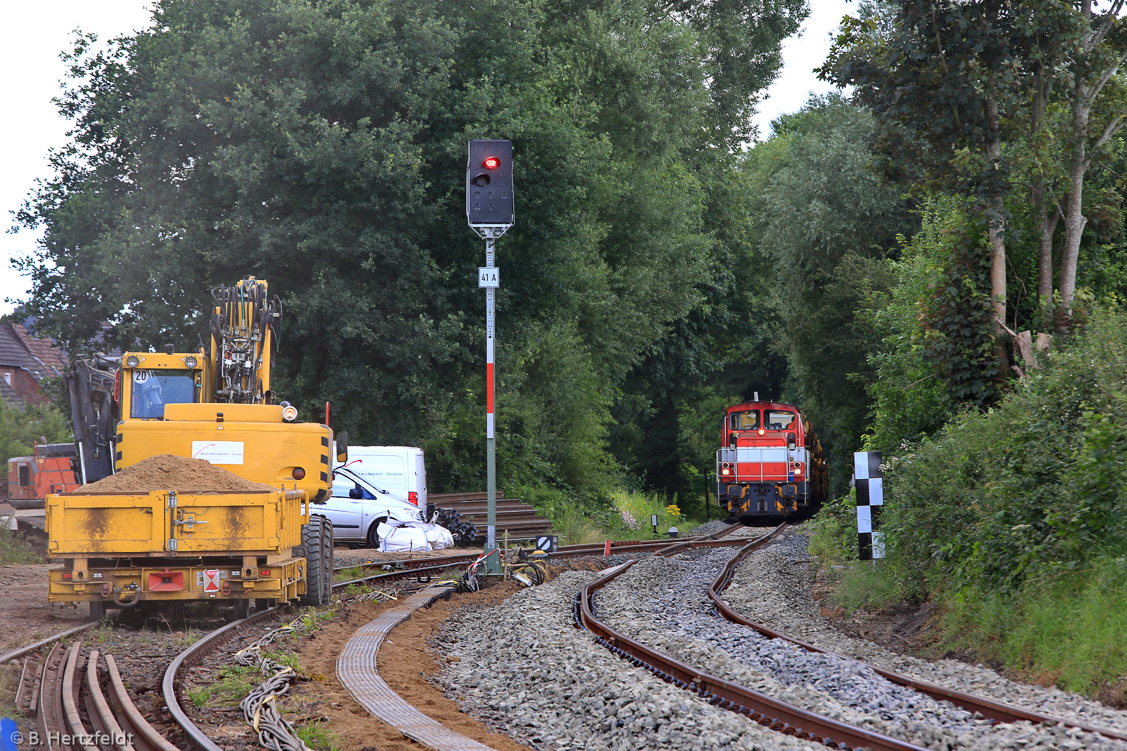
(1035,484)
(1012,521)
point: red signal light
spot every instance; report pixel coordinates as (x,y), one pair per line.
(492,162)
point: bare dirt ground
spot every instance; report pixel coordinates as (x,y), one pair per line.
(405,663)
(319,697)
(905,629)
(28,617)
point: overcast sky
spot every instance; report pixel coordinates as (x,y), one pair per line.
(34,33)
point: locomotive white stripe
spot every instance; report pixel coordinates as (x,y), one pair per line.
(758,455)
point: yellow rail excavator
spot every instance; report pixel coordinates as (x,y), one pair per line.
(183,540)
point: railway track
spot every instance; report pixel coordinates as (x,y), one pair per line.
(79,705)
(766,710)
(77,695)
(78,701)
(995,711)
(628,635)
(440,563)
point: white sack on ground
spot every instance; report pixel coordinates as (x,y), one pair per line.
(410,535)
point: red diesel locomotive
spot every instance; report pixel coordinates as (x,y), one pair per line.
(770,464)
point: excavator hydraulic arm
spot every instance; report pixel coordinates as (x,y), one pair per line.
(243,326)
(91,383)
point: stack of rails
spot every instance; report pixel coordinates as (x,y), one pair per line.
(464,514)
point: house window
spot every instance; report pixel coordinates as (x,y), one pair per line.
(8,378)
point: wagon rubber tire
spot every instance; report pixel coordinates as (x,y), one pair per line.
(327,561)
(312,537)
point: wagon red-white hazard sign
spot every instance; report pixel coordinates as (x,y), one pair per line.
(211,580)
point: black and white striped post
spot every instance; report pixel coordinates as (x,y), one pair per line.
(869,484)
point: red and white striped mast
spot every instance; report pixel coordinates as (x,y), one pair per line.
(489,210)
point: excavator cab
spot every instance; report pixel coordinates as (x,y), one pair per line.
(152,381)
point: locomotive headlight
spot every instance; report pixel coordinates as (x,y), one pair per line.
(132,361)
(191,362)
(289,412)
(797,470)
(725,472)
(762,431)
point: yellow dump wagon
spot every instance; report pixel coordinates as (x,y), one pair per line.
(169,545)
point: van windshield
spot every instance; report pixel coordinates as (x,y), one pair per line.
(346,485)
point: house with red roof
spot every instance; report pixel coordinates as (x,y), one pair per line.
(26,361)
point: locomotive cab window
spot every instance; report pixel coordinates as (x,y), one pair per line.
(744,420)
(777,420)
(152,389)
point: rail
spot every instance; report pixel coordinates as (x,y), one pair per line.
(765,710)
(995,711)
(52,690)
(564,551)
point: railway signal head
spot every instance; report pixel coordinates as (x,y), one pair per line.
(489,183)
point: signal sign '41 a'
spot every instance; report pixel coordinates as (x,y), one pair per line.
(488,276)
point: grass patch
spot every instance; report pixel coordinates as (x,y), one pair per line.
(15,549)
(289,659)
(631,516)
(576,528)
(352,572)
(1064,629)
(199,696)
(317,736)
(865,587)
(232,685)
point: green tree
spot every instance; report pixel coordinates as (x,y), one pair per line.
(826,221)
(320,145)
(20,429)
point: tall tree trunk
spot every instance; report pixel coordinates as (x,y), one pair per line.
(1047,219)
(996,231)
(1074,219)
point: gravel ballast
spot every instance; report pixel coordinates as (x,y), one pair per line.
(773,587)
(523,669)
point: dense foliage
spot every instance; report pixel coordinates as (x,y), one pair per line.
(21,429)
(321,146)
(1013,520)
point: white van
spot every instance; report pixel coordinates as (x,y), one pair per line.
(397,471)
(357,508)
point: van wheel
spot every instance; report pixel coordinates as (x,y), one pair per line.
(373,536)
(312,536)
(327,563)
